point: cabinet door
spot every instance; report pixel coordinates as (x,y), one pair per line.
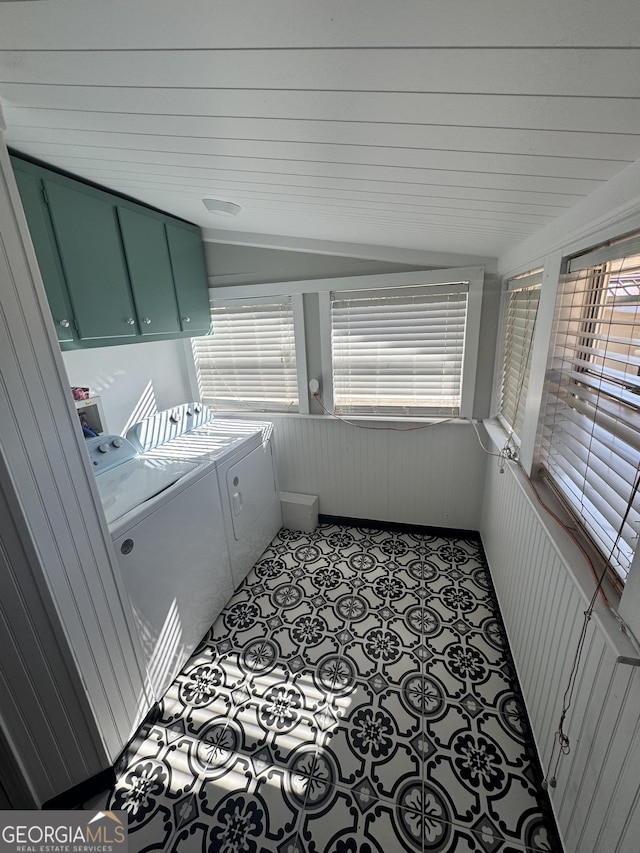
(37,214)
(147,254)
(190,278)
(88,238)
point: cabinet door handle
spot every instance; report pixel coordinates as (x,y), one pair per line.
(146,321)
(65,324)
(186,319)
(131,321)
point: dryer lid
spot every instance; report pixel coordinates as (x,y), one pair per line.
(206,444)
(135,482)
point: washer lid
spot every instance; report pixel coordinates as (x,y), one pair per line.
(133,483)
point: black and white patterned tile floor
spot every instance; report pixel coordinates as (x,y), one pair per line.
(355,696)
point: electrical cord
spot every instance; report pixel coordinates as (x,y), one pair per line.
(561,741)
(569,533)
(316,396)
(508,453)
(488,452)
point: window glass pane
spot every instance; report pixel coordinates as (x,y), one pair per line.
(590,432)
(398,355)
(249,361)
(519,327)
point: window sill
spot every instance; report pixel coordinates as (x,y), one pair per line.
(621,639)
(354,418)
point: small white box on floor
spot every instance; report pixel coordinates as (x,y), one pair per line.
(299,512)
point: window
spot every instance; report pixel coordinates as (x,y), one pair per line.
(249,362)
(523,294)
(590,430)
(399,352)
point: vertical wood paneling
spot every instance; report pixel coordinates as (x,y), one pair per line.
(625,807)
(39,680)
(65,566)
(586,716)
(609,743)
(433,476)
(596,801)
(342,104)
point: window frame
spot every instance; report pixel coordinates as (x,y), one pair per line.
(425,296)
(583,265)
(532,278)
(319,367)
(473,276)
(299,348)
(553,261)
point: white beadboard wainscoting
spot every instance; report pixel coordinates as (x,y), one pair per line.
(431,476)
(597,798)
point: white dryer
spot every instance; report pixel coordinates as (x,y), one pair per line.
(242,453)
(165,520)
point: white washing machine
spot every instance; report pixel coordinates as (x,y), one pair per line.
(243,457)
(165,519)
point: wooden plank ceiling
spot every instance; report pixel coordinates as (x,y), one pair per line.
(454,127)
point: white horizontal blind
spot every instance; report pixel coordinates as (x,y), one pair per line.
(249,362)
(590,437)
(399,353)
(520,320)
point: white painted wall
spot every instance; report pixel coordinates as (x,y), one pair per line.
(431,476)
(133,380)
(229,264)
(45,703)
(55,550)
(240,258)
(543,586)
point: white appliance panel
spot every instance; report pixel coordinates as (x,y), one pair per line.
(177,574)
(203,444)
(164,426)
(250,488)
(131,484)
(251,507)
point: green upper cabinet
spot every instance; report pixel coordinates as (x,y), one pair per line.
(88,237)
(42,237)
(115,271)
(147,254)
(190,277)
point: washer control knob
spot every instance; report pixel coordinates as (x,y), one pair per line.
(131,321)
(103,448)
(64,323)
(174,417)
(117,442)
(186,319)
(146,321)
